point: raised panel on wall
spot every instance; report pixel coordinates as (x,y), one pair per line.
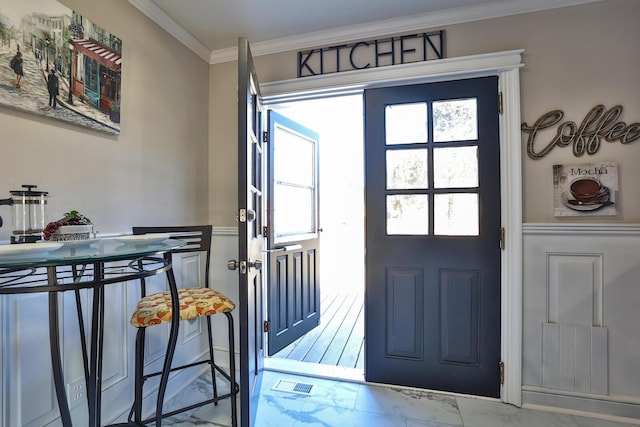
(28,386)
(224,246)
(575,294)
(191,275)
(405,313)
(156,337)
(574,348)
(115,367)
(117,364)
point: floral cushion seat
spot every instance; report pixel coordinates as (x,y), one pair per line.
(194,302)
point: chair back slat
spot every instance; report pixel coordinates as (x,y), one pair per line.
(198,238)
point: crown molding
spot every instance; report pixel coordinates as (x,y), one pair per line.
(395,26)
(167,23)
(355,32)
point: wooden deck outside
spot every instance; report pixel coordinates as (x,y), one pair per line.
(339,338)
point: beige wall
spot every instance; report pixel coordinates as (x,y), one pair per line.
(223,153)
(575,58)
(154,172)
(160,170)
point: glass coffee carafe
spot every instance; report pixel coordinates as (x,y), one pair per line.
(28,214)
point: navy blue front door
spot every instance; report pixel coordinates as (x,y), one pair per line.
(432,173)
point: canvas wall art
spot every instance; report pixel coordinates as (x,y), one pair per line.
(589,189)
(59,64)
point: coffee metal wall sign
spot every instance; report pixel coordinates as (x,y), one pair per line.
(599,124)
(370,54)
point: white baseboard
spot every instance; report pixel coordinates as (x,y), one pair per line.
(608,408)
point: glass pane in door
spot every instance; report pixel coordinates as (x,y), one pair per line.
(295,190)
(455,167)
(408,214)
(456,214)
(407,169)
(293,210)
(455,120)
(406,123)
(292,156)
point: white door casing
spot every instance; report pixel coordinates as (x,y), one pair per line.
(506,66)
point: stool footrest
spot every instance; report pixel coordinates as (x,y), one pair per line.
(188,365)
(231,395)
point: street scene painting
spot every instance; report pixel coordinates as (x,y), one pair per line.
(588,189)
(59,64)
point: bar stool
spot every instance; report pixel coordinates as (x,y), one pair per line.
(194,303)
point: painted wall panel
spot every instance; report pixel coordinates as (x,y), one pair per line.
(579,332)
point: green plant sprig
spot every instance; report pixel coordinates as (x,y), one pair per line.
(75,214)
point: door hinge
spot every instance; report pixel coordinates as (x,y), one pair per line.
(500,103)
(265,136)
(502,238)
(265,231)
(267,325)
(501,372)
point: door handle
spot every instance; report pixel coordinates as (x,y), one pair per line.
(287,248)
(246,215)
(232,264)
(257,264)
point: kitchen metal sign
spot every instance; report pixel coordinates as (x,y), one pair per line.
(371,54)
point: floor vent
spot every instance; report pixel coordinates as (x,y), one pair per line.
(294,387)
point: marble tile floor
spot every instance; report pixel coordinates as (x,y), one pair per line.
(348,404)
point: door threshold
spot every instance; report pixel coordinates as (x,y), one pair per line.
(352,375)
(315,370)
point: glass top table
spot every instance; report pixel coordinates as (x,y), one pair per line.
(55,267)
(78,251)
(23,266)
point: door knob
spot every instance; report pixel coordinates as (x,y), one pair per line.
(257,264)
(232,264)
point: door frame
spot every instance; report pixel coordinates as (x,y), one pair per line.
(506,66)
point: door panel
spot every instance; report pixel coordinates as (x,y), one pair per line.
(432,236)
(459,302)
(405,305)
(250,229)
(294,283)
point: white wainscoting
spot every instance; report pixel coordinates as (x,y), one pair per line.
(27,393)
(581,281)
(581,322)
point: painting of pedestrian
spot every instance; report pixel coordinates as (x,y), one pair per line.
(53,53)
(16,65)
(53,86)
